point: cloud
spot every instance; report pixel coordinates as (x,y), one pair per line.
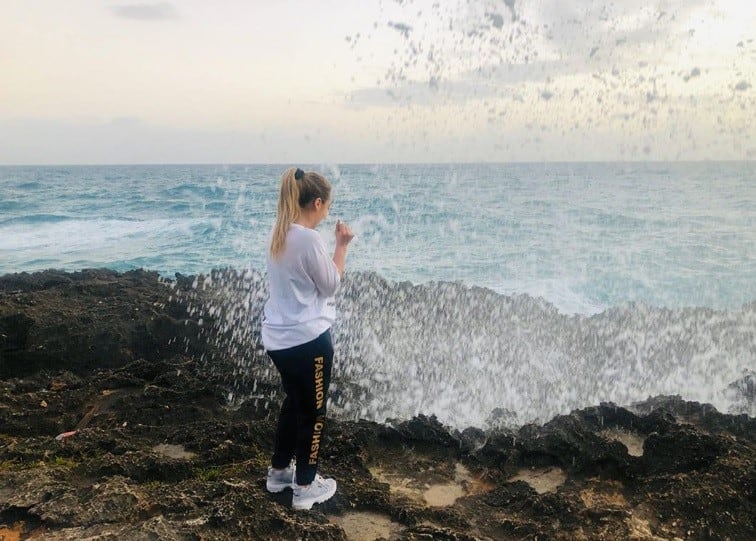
(162,11)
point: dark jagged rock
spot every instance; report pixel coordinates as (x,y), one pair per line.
(671,410)
(570,443)
(121,368)
(422,430)
(745,387)
(681,450)
(87,320)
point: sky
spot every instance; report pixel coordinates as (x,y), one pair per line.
(376,81)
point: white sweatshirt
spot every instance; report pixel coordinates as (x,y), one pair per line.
(301,281)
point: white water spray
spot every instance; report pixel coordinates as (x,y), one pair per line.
(473,357)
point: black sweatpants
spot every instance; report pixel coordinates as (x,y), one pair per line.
(306,374)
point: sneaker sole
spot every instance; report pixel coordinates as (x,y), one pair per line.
(275,489)
(307,506)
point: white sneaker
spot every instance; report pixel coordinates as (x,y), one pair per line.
(318,491)
(280,480)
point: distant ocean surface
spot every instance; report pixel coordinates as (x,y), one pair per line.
(583,236)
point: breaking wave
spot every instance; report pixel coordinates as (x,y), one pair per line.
(474,357)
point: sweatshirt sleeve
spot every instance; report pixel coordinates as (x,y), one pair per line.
(321,268)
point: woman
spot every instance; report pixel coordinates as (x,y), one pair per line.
(296,331)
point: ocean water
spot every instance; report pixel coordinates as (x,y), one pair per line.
(527,289)
(585,237)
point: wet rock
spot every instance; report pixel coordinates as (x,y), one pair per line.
(14,331)
(114,500)
(742,393)
(87,320)
(499,451)
(472,439)
(141,466)
(681,450)
(26,488)
(149,530)
(422,429)
(501,418)
(668,411)
(430,533)
(746,386)
(569,442)
(514,496)
(24,281)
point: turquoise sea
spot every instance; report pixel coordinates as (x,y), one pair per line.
(522,289)
(583,236)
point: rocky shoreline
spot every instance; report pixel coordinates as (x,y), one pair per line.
(114,424)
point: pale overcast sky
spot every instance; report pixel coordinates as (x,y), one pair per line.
(249,81)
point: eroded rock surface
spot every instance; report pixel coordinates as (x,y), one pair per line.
(148,447)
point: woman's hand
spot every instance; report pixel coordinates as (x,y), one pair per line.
(344,234)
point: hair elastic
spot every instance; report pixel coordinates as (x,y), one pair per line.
(298,174)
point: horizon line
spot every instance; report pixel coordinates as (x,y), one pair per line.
(485,162)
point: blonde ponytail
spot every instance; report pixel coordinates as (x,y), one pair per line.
(288,211)
(298,189)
